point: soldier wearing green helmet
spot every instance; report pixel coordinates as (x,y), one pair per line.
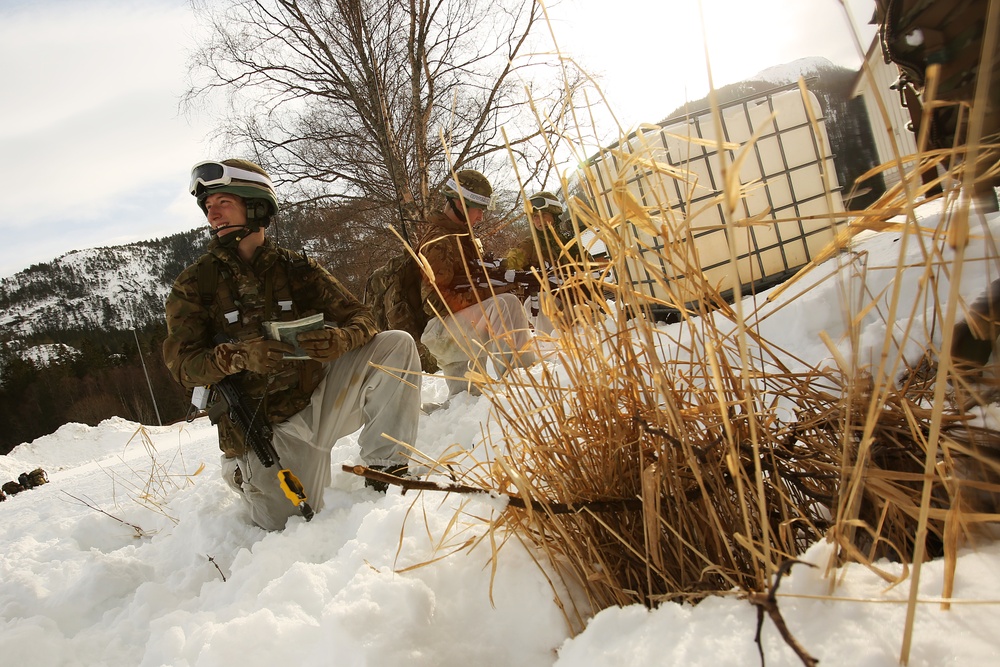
(467,313)
(554,247)
(216,314)
(243,179)
(544,249)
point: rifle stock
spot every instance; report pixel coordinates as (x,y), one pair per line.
(256,431)
(259,436)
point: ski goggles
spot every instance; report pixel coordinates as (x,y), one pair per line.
(215,174)
(542,203)
(472,199)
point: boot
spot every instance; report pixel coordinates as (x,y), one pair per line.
(455,379)
(397,469)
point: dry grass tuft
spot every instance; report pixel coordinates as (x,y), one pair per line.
(151,485)
(700,458)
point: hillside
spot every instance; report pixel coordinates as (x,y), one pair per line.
(114,287)
(67,348)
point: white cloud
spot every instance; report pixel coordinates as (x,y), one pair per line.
(77,56)
(651,55)
(93,148)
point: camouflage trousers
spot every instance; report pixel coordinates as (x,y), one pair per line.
(354,393)
(495,329)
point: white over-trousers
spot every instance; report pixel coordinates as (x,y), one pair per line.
(384,404)
(538,319)
(496,328)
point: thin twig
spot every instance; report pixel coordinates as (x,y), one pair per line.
(766,602)
(212,561)
(138,531)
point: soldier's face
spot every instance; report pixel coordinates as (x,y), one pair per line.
(475,216)
(541,219)
(225,212)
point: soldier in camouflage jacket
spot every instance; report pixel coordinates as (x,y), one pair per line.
(552,250)
(244,280)
(470,319)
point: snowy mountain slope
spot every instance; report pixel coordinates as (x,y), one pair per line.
(101,288)
(781,75)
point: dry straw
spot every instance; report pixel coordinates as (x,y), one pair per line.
(656,465)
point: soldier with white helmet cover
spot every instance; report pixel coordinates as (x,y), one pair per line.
(215,315)
(470,318)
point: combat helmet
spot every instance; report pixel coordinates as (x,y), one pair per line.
(545,201)
(472,187)
(239,177)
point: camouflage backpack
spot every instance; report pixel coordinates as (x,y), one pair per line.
(12,488)
(393,292)
(29,480)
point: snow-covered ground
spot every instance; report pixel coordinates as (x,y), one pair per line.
(136,553)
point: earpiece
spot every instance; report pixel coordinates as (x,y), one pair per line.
(256,209)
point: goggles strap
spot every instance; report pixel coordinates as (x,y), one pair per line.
(227,174)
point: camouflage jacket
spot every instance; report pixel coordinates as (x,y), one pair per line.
(915,34)
(276,285)
(451,252)
(393,292)
(556,249)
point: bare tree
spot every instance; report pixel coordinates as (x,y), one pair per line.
(374,101)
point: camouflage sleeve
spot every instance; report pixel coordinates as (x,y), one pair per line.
(573,247)
(188,349)
(522,256)
(443,255)
(318,290)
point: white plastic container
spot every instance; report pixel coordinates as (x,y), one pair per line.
(788,212)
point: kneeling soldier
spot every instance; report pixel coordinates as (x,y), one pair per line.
(215,320)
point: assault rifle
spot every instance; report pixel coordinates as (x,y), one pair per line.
(521,283)
(529,283)
(257,433)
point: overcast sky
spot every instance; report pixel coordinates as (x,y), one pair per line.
(94,150)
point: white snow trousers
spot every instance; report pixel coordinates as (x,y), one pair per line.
(496,328)
(384,404)
(540,322)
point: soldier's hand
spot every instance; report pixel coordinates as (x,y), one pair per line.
(257,355)
(264,356)
(325,344)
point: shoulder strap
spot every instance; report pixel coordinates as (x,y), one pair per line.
(295,264)
(294,260)
(208,279)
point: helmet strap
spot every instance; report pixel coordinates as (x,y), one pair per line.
(232,239)
(459,212)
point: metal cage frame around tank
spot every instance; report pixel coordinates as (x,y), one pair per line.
(799,193)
